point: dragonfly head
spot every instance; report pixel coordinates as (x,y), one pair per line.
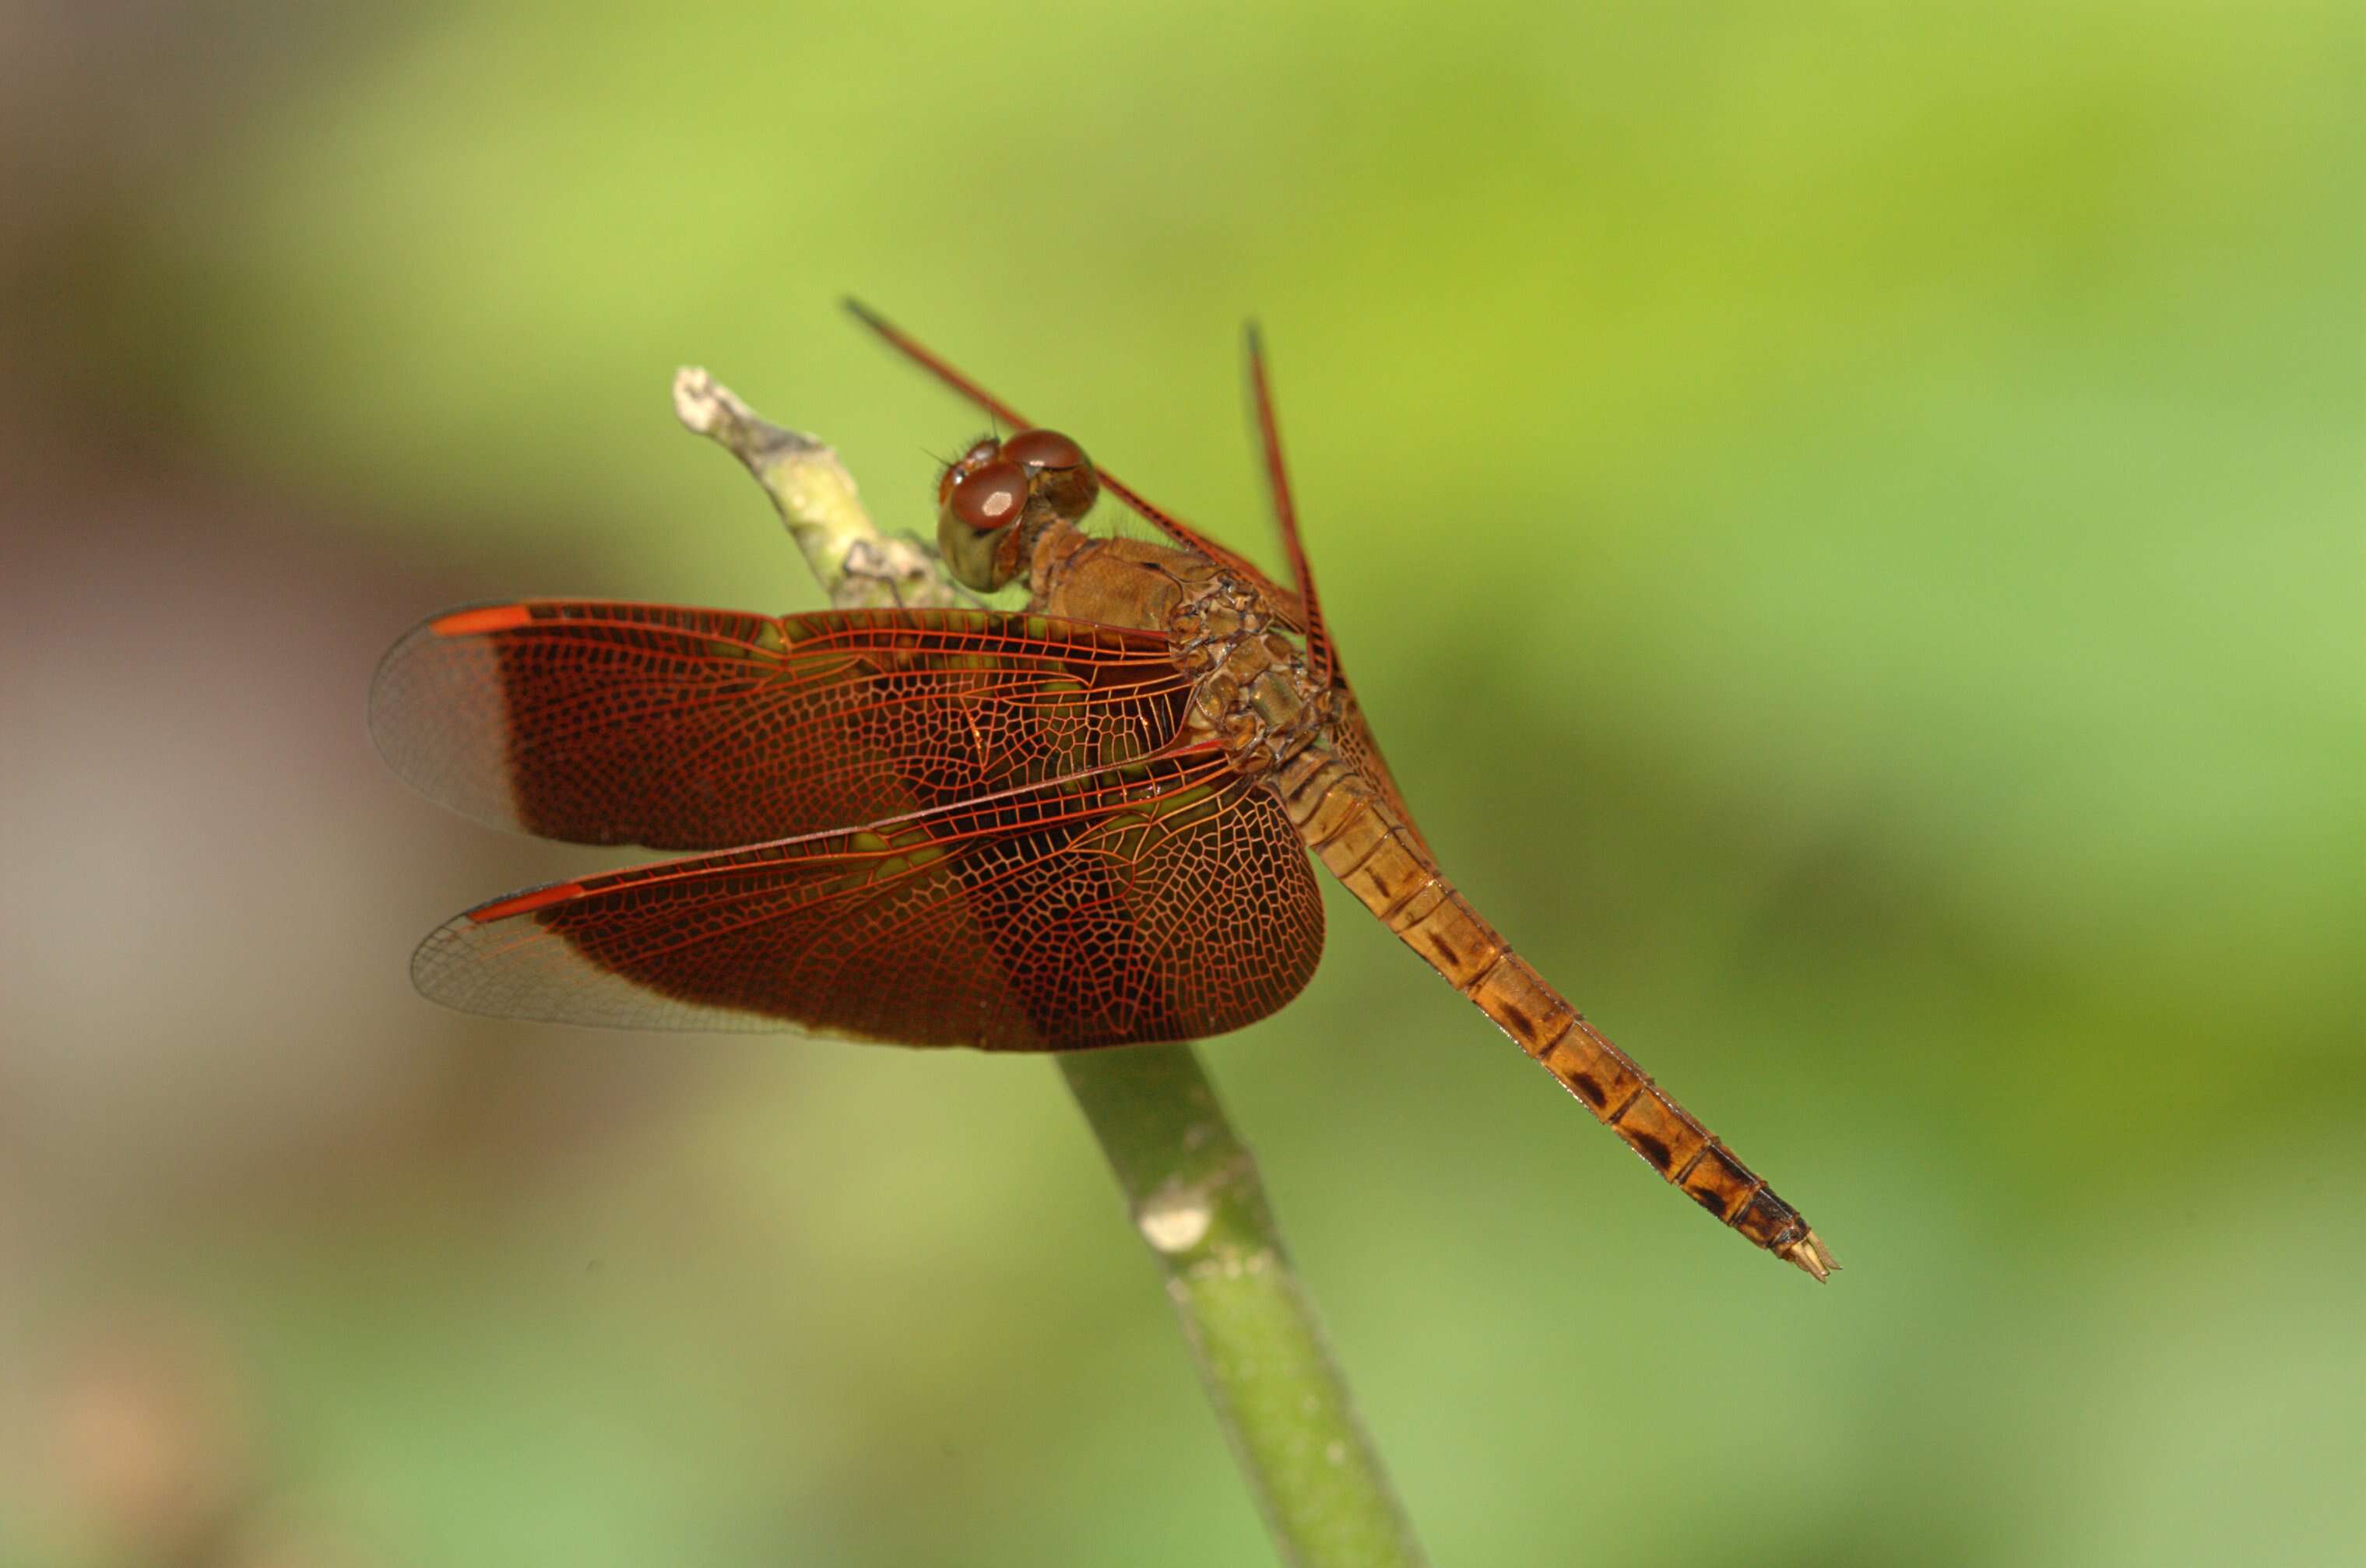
(995,500)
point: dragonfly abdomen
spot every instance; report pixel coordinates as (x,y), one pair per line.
(1373,855)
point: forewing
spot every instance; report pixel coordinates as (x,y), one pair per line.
(684,728)
(1166,900)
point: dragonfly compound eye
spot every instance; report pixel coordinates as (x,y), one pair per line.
(989,498)
(1043,449)
(975,455)
(1063,480)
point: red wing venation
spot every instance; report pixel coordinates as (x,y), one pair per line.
(1350,734)
(1044,867)
(1160,901)
(700,730)
(1285,510)
(1299,608)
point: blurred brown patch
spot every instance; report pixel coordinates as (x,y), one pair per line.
(212,885)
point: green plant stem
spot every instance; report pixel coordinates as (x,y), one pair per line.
(1193,1190)
(1190,1184)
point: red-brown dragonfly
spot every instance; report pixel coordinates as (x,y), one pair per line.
(1085,823)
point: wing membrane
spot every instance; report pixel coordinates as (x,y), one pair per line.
(697,729)
(1162,901)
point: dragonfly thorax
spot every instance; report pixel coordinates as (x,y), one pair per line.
(1256,695)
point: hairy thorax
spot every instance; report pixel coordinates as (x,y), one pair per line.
(1255,694)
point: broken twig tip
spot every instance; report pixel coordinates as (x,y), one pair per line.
(703,403)
(706,407)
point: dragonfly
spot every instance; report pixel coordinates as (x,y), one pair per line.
(1086,823)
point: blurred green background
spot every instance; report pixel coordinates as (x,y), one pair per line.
(1847,519)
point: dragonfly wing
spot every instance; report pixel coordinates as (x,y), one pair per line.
(1166,900)
(699,730)
(1353,741)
